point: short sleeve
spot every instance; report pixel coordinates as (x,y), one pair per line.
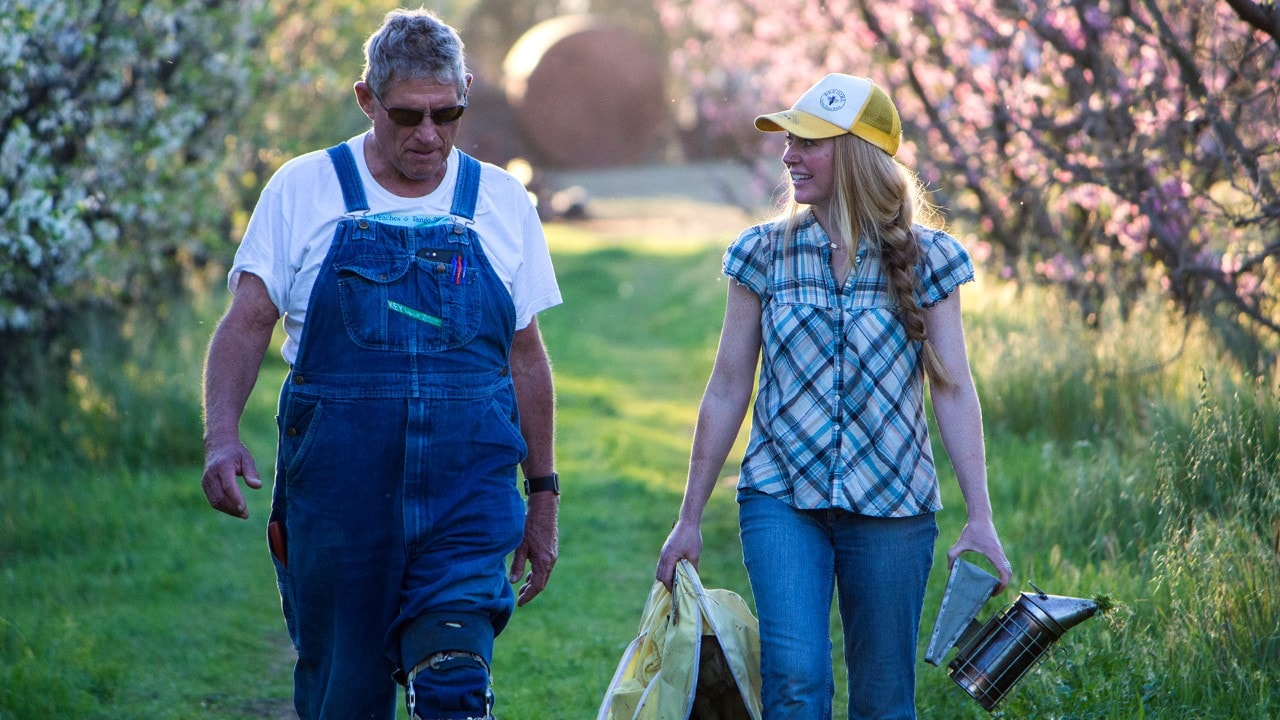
(944,266)
(747,261)
(535,286)
(262,251)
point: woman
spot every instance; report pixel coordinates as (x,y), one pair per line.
(853,304)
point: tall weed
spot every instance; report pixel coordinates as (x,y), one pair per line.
(1216,632)
(1157,482)
(1224,461)
(1046,372)
(130,396)
(1217,569)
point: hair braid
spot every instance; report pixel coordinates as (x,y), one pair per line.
(882,199)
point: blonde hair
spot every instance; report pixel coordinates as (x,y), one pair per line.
(877,200)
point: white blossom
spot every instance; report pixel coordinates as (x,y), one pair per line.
(105,106)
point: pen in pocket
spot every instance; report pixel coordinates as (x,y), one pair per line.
(459,268)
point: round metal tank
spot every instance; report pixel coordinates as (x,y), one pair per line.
(586,93)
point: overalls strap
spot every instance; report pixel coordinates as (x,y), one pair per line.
(467,189)
(464,195)
(349,177)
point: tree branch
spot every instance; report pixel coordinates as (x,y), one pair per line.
(1263,16)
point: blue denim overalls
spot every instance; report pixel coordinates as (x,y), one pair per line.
(395,476)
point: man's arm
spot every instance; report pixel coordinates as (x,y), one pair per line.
(535,396)
(231,370)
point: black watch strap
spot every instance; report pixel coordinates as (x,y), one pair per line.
(547,483)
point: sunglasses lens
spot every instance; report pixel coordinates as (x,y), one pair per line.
(408,117)
(444,116)
(405,116)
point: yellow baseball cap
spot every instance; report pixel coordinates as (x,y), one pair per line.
(840,104)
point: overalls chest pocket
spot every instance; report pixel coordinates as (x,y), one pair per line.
(405,299)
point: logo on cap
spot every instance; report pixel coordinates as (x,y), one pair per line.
(831,100)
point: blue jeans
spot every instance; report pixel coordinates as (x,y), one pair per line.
(795,558)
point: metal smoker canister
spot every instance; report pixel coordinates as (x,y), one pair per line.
(991,662)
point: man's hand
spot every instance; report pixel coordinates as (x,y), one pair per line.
(540,547)
(231,369)
(224,462)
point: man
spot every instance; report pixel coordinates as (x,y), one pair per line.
(409,277)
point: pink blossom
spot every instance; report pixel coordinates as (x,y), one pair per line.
(1076,115)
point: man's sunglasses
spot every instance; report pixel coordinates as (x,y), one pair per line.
(408,117)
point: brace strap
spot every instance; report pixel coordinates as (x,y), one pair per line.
(438,632)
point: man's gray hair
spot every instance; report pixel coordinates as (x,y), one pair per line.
(414,45)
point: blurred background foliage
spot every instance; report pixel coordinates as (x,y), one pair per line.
(1107,147)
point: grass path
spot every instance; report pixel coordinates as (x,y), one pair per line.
(122,595)
(151,606)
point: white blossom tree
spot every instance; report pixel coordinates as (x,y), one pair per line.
(112,117)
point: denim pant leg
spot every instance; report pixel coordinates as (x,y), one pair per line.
(340,500)
(462,518)
(790,562)
(882,566)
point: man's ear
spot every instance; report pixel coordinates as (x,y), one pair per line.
(364,96)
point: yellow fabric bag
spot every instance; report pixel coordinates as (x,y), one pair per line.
(696,657)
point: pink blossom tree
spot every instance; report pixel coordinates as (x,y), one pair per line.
(1104,145)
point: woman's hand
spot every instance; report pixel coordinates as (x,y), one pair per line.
(684,543)
(980,537)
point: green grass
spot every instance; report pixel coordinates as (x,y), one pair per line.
(1128,459)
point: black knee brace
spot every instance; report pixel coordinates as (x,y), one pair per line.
(447,657)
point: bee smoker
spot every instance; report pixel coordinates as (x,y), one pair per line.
(994,656)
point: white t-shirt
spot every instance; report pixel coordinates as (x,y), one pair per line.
(293,224)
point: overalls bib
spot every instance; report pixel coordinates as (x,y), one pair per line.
(398,448)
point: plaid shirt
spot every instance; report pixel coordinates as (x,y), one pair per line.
(839,419)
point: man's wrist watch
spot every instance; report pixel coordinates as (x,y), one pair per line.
(546,483)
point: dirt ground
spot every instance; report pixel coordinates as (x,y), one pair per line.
(708,200)
(657,217)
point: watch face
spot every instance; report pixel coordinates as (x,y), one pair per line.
(549,483)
